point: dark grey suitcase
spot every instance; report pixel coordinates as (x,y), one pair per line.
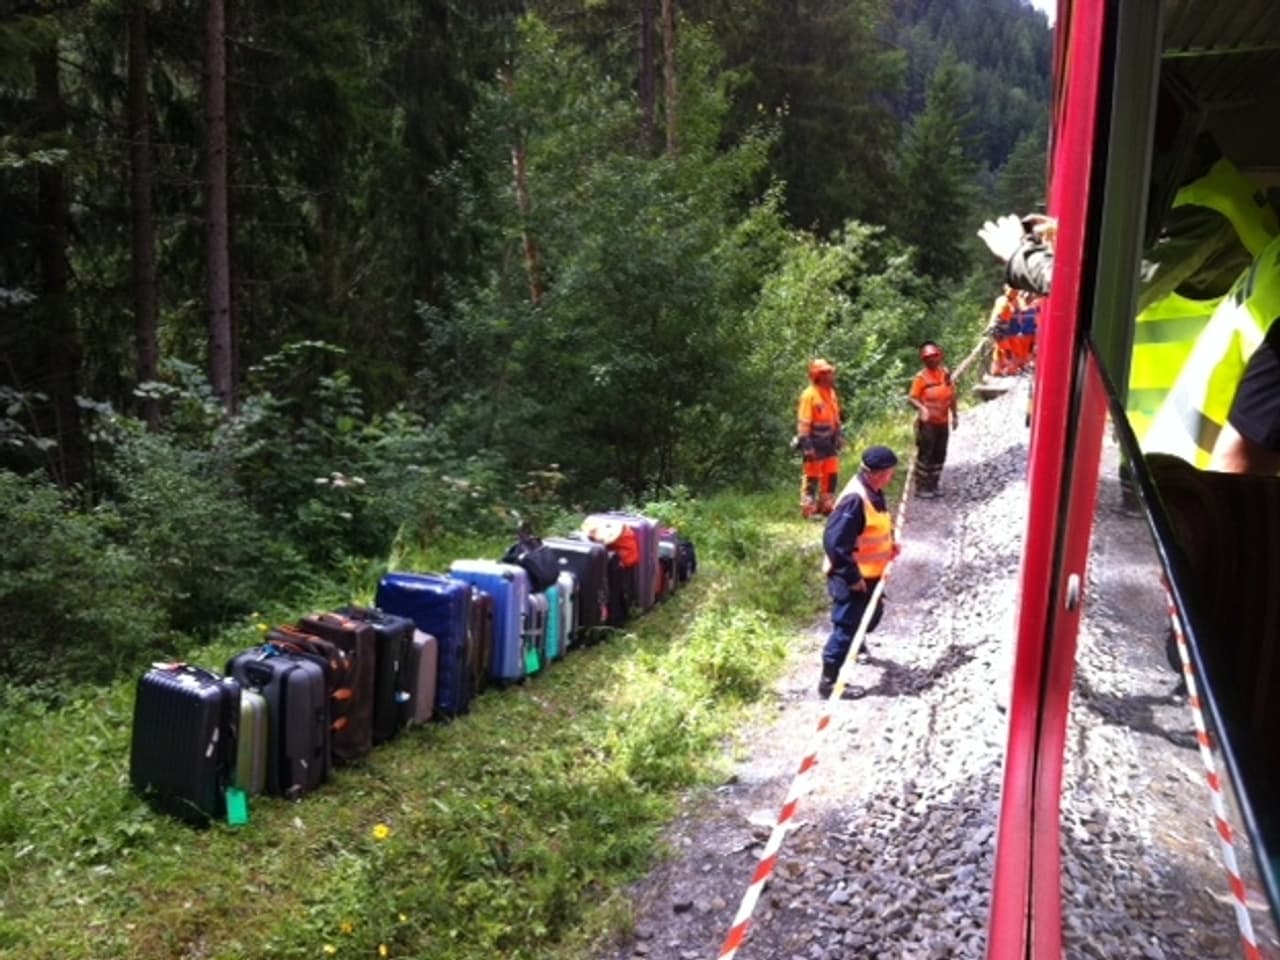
(183,750)
(297,717)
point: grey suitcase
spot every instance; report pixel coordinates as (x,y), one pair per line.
(424,658)
(251,743)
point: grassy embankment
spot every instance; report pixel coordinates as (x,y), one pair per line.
(508,833)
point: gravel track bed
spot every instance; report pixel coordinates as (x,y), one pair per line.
(892,852)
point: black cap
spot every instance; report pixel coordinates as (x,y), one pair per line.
(879,458)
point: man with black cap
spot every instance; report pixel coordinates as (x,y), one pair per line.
(859,544)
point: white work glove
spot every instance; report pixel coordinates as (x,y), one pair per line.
(1002,236)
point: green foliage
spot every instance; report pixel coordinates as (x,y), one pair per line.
(206,553)
(512,832)
(938,186)
(76,606)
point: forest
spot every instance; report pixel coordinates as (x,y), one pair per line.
(288,290)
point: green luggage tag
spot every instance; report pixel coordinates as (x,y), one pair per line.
(237,807)
(531,663)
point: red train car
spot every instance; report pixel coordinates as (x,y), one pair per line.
(1140,86)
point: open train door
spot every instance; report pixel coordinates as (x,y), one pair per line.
(1111,181)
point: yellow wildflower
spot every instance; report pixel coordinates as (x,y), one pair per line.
(382,950)
(381,831)
(346,926)
(330,949)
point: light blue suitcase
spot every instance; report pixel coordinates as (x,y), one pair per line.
(508,584)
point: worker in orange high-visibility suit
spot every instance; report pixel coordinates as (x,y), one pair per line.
(1004,326)
(934,397)
(819,436)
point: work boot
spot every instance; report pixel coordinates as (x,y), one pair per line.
(826,504)
(808,508)
(828,682)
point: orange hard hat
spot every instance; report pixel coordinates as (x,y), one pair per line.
(819,366)
(930,350)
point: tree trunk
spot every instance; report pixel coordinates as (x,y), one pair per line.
(669,71)
(57,371)
(144,260)
(218,229)
(648,71)
(519,170)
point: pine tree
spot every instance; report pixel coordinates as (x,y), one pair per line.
(938,180)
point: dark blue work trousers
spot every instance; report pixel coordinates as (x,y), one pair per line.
(847,607)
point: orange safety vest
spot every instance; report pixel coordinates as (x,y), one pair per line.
(874,548)
(936,391)
(818,416)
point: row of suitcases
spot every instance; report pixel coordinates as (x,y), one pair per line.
(330,687)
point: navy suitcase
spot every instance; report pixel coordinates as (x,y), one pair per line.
(588,562)
(508,584)
(183,752)
(393,637)
(297,698)
(439,606)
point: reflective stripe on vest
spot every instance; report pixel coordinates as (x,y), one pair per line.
(1225,190)
(1191,416)
(1166,332)
(1163,338)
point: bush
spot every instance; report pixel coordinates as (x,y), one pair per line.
(204,549)
(75,605)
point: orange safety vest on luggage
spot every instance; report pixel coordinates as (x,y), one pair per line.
(874,548)
(935,390)
(617,536)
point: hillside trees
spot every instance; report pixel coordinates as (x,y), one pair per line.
(937,193)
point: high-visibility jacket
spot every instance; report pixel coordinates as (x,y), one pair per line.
(874,548)
(1189,420)
(818,418)
(935,390)
(1167,330)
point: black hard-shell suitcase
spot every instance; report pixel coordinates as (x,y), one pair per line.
(358,641)
(183,751)
(588,562)
(297,716)
(392,683)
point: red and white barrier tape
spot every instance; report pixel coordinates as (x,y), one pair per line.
(800,783)
(1226,842)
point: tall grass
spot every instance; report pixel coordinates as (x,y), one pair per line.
(507,833)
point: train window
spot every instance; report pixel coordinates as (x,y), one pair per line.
(1144,822)
(1173,339)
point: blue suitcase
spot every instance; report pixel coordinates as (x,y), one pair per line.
(183,753)
(439,606)
(508,584)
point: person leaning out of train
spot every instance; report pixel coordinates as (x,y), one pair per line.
(820,438)
(1025,246)
(934,396)
(859,544)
